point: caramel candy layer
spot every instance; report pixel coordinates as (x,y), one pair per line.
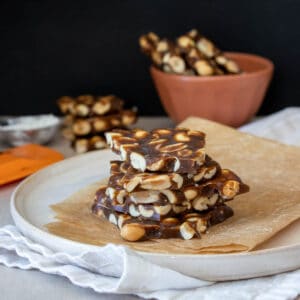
(165,150)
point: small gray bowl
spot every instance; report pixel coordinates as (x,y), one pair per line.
(12,133)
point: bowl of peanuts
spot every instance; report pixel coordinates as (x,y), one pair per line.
(195,78)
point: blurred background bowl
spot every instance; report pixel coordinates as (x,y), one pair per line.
(39,135)
(229,99)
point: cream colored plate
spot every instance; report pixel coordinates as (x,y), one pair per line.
(30,211)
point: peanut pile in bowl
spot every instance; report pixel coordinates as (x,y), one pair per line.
(164,185)
(190,54)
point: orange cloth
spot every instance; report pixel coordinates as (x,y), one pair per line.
(17,163)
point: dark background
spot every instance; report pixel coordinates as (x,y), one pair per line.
(54,48)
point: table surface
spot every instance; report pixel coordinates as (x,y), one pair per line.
(29,285)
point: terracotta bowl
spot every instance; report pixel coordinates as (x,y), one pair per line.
(230,99)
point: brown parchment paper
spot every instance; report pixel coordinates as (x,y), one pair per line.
(271,169)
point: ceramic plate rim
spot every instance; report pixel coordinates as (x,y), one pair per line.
(17,215)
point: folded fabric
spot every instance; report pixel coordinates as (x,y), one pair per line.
(117,269)
(111,269)
(283,126)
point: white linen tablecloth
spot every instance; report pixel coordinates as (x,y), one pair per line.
(117,269)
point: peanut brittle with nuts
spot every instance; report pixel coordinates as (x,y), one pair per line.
(106,105)
(148,42)
(165,186)
(85,144)
(87,117)
(172,62)
(161,208)
(188,196)
(88,105)
(185,226)
(130,179)
(199,63)
(165,150)
(226,185)
(85,126)
(66,104)
(227,65)
(191,54)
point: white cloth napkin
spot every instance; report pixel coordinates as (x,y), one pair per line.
(117,269)
(283,126)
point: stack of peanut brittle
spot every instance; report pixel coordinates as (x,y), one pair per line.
(165,186)
(87,118)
